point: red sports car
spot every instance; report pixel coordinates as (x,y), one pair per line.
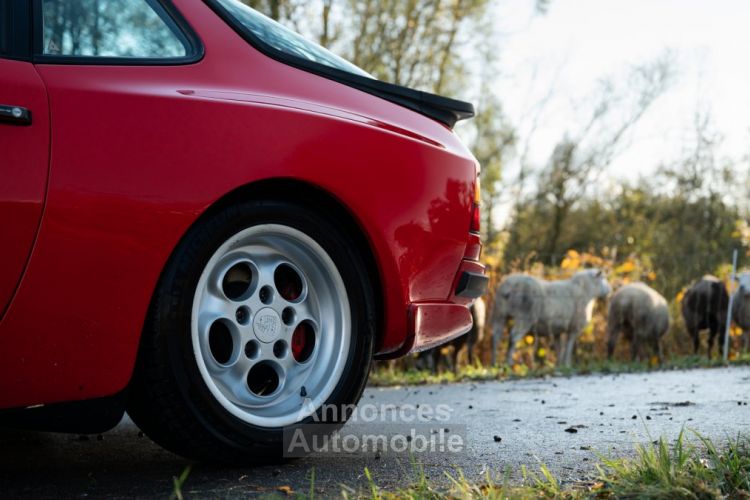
(213,223)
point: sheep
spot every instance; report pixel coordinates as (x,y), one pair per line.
(741,308)
(704,306)
(641,314)
(548,308)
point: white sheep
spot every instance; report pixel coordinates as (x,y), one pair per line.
(641,314)
(547,308)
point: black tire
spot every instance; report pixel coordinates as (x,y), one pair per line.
(169,400)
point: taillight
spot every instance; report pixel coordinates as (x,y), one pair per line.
(476,213)
(476,219)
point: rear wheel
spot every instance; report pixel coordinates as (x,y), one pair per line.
(264,313)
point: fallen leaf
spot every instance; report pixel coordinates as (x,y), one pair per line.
(287,490)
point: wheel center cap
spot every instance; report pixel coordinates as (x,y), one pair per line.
(267,325)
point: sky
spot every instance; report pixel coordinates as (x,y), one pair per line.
(580,41)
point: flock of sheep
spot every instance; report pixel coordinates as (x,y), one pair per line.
(561,309)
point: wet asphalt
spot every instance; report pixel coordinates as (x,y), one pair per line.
(497,427)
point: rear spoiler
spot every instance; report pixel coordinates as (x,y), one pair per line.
(443,109)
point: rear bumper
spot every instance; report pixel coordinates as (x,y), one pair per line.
(472,285)
(434,323)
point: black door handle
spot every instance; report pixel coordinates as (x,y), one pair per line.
(14,115)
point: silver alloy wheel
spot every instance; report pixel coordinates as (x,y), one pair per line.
(271,325)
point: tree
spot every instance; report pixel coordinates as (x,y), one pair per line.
(412,42)
(408,42)
(681,223)
(494,138)
(580,156)
(284,11)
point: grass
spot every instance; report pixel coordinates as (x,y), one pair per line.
(178,483)
(539,485)
(384,375)
(687,469)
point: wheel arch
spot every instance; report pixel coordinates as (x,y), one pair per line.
(317,198)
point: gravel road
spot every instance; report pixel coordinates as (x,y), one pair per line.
(561,422)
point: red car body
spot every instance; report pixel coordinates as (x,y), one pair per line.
(121,160)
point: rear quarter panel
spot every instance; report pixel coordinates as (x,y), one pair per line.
(139,153)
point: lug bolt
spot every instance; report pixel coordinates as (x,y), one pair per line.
(265,294)
(241,316)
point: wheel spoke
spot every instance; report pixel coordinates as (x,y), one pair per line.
(217,307)
(305,310)
(231,377)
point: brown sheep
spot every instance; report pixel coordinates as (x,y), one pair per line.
(705,306)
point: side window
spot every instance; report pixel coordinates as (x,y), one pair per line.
(110,28)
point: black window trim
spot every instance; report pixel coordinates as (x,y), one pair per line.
(5,26)
(443,109)
(18,35)
(174,20)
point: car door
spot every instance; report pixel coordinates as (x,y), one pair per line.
(24,148)
(113,71)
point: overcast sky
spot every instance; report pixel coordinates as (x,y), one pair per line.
(579,41)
